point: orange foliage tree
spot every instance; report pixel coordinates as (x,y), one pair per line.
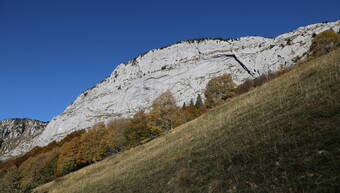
(138,130)
(67,157)
(92,147)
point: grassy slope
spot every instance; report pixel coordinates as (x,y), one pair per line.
(281,137)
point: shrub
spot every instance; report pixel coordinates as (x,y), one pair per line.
(10,181)
(34,152)
(218,90)
(71,136)
(38,170)
(188,113)
(324,42)
(249,84)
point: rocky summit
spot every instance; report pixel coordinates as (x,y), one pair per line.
(183,68)
(18,131)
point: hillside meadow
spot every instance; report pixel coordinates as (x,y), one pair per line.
(280,137)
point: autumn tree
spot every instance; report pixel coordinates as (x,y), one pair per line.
(71,136)
(115,138)
(92,147)
(67,157)
(192,111)
(218,90)
(164,113)
(137,130)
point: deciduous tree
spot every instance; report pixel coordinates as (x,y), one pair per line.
(218,90)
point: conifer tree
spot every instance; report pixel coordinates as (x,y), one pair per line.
(199,102)
(191,102)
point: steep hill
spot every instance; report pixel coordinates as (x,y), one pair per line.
(280,137)
(183,68)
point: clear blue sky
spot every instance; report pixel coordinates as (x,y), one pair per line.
(52,50)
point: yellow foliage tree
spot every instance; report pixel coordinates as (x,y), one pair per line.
(67,157)
(218,90)
(164,113)
(92,147)
(114,139)
(137,129)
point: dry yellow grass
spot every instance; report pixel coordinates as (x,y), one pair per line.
(280,137)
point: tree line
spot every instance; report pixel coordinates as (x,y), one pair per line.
(84,147)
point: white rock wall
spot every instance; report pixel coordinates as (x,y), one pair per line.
(184,69)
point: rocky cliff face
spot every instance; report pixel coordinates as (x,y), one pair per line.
(14,132)
(183,68)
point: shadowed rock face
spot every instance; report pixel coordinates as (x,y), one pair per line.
(184,69)
(14,132)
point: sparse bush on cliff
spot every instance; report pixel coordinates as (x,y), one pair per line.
(324,42)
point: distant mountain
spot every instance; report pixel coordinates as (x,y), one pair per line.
(183,68)
(17,131)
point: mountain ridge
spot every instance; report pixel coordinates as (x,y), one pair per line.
(14,131)
(183,68)
(238,146)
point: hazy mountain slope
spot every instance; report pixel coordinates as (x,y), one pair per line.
(183,68)
(280,137)
(17,131)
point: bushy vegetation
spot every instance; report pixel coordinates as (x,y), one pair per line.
(324,42)
(164,112)
(218,90)
(280,137)
(81,148)
(84,147)
(250,84)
